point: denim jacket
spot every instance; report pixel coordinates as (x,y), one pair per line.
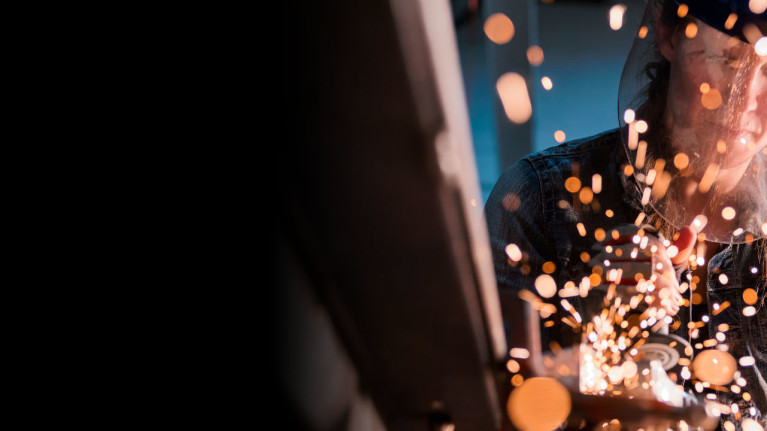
(531,208)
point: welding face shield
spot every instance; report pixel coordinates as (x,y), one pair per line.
(693,112)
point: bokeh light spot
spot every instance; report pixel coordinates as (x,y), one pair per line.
(499,28)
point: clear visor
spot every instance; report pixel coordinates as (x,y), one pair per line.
(693,111)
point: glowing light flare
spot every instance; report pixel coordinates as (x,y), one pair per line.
(549,268)
(691,30)
(749,424)
(714,366)
(596,183)
(681,161)
(685,373)
(641,153)
(682,10)
(539,404)
(629,115)
(519,353)
(641,126)
(721,147)
(711,99)
(728,213)
(546,286)
(730,23)
(718,308)
(599,234)
(749,311)
(643,32)
(511,202)
(629,369)
(586,195)
(559,136)
(616,16)
(750,296)
(581,229)
(515,98)
(546,82)
(499,28)
(746,361)
(646,196)
(699,222)
(535,55)
(633,136)
(761,46)
(573,184)
(615,374)
(650,179)
(517,380)
(661,185)
(757,6)
(514,253)
(708,178)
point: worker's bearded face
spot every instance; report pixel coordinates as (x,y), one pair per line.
(702,161)
(717,99)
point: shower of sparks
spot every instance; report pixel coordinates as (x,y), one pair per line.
(611,355)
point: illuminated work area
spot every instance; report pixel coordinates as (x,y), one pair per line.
(528,215)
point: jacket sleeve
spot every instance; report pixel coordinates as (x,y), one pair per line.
(516,222)
(515,219)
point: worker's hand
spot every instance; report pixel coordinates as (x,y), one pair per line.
(642,260)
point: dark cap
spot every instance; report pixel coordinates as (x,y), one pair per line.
(715,13)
